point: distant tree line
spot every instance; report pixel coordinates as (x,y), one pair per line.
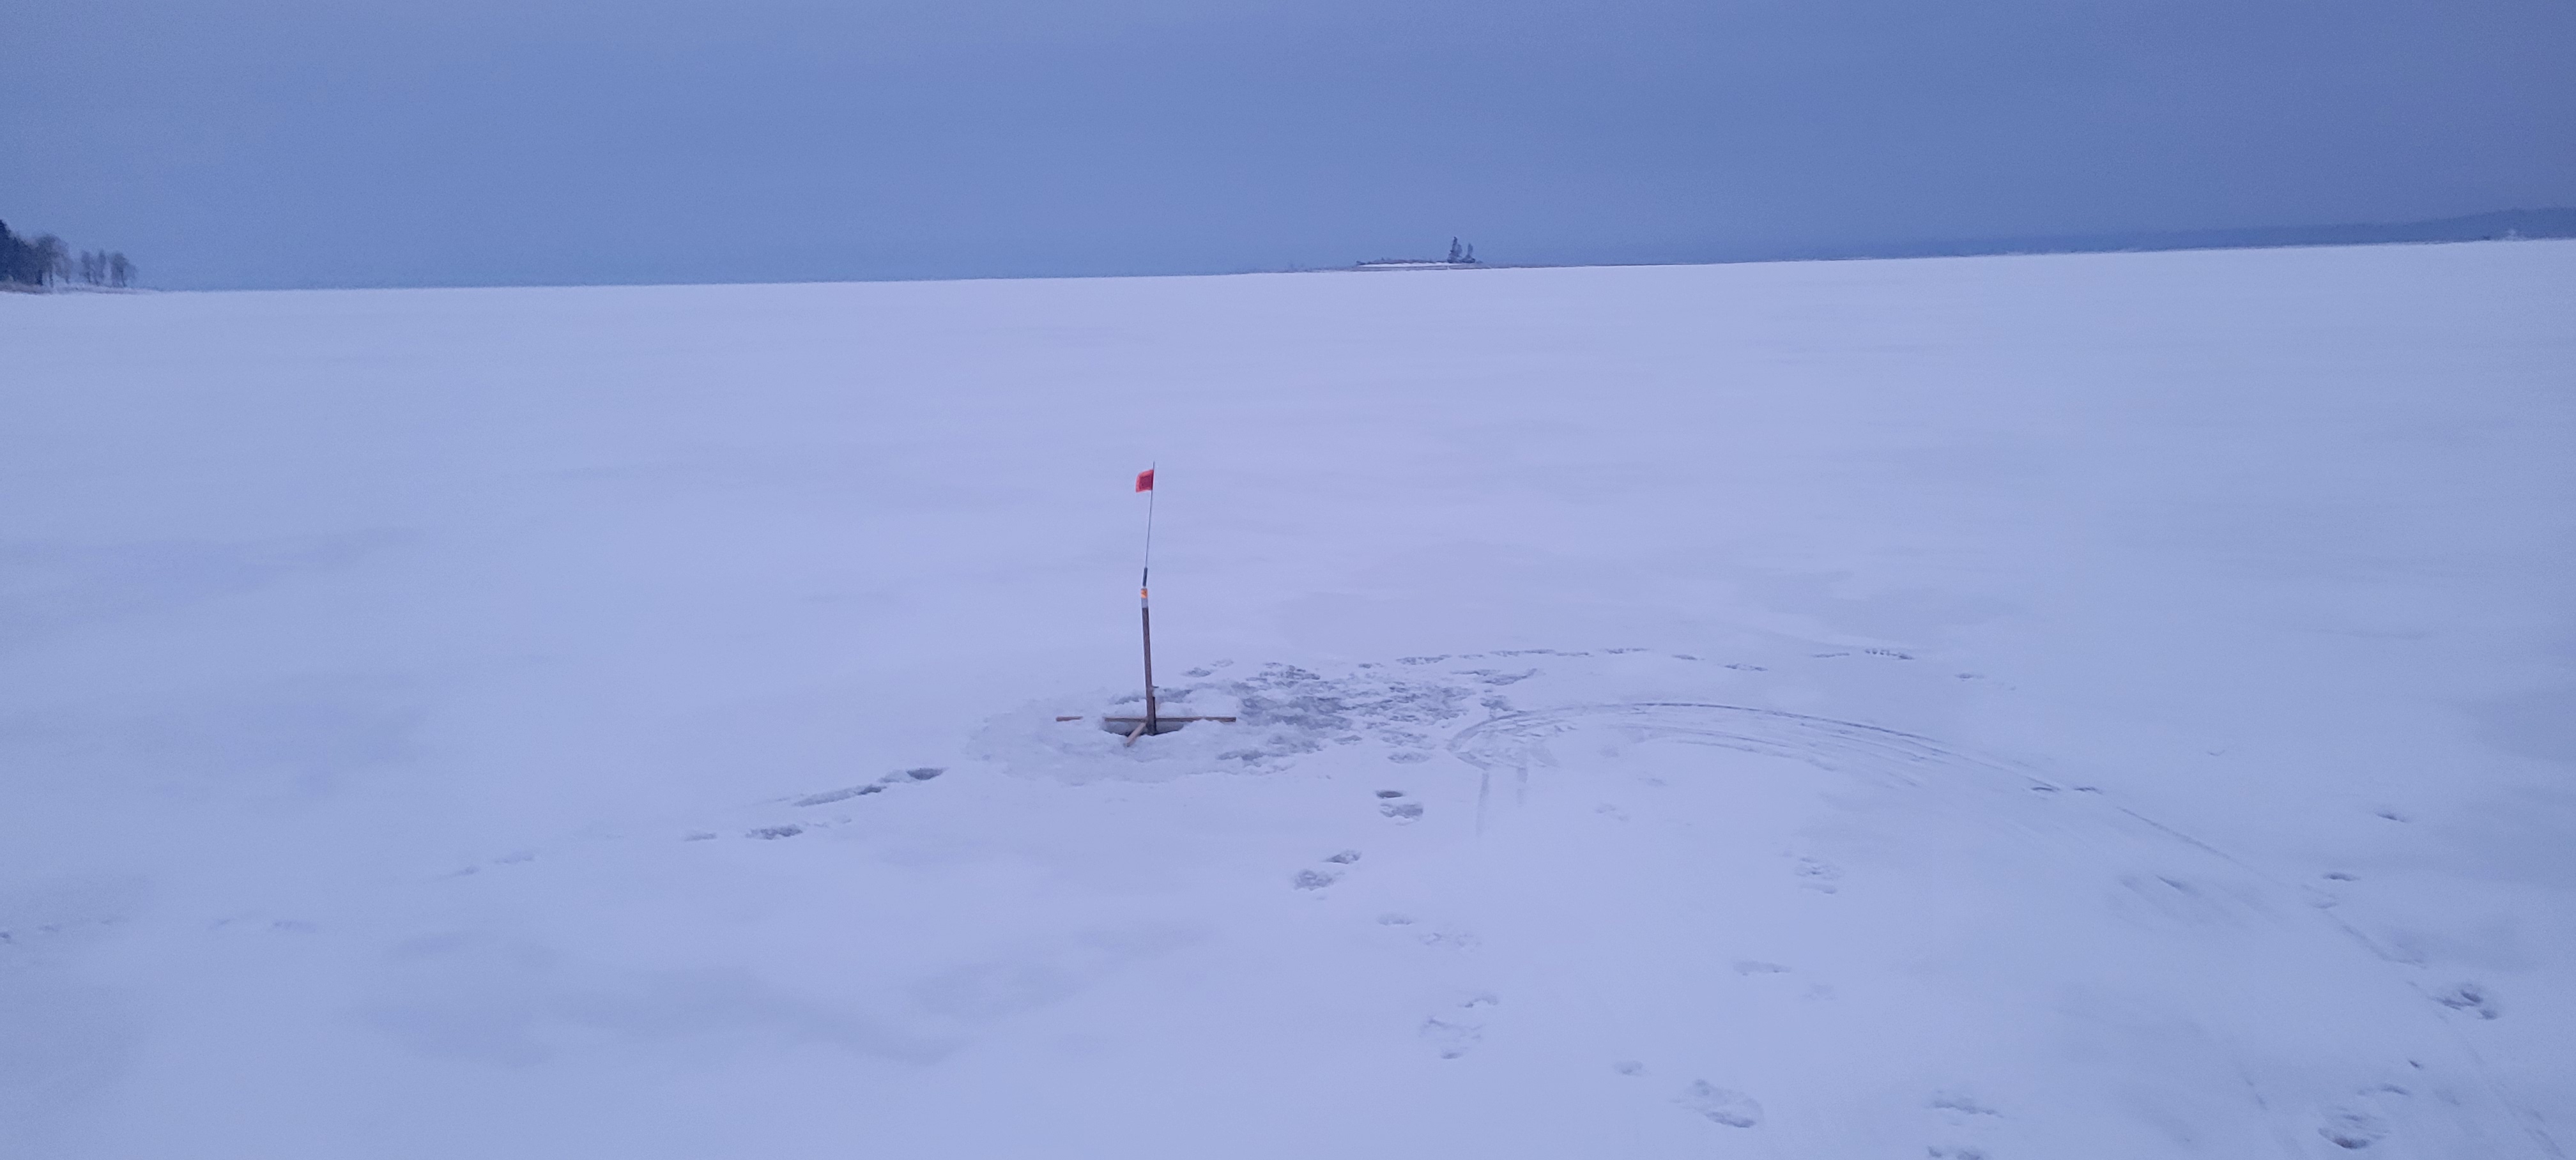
(45,261)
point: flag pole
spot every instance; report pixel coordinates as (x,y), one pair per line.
(1145,605)
(1152,722)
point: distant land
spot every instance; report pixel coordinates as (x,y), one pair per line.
(2497,226)
(2501,225)
(2482,227)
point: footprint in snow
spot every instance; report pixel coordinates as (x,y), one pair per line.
(1452,939)
(1819,876)
(1319,879)
(1448,938)
(1958,1105)
(1721,1105)
(1457,1033)
(1391,803)
(2361,1121)
(1450,1039)
(2352,1128)
(2469,997)
(513,858)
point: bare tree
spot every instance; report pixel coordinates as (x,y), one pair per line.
(53,259)
(120,273)
(13,256)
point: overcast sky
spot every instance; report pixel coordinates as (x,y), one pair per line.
(380,142)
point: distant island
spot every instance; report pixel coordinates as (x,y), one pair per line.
(1460,257)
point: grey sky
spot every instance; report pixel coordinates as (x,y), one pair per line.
(305,142)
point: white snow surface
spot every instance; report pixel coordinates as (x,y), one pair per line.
(2071,706)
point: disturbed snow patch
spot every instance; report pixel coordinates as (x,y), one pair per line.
(1283,711)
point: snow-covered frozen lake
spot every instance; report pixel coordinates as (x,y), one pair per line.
(2040,707)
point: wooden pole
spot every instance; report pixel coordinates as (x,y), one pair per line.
(1145,604)
(1145,610)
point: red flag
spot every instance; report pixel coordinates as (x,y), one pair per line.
(1145,480)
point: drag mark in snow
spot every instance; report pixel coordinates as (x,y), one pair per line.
(1515,741)
(827,797)
(777,830)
